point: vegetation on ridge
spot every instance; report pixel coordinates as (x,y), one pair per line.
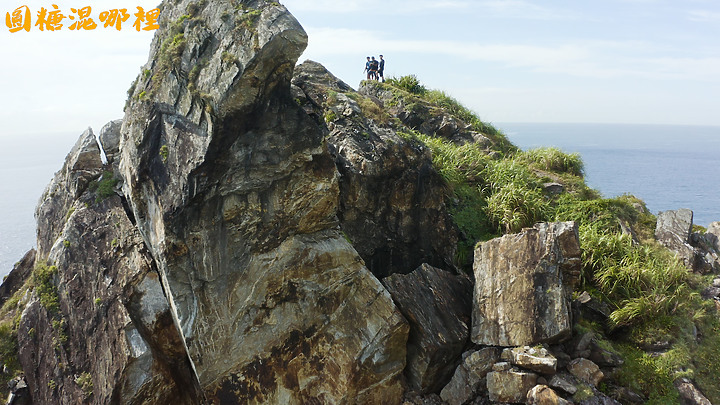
(652,295)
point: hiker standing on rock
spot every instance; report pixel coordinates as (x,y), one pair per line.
(381,69)
(374,65)
(367,68)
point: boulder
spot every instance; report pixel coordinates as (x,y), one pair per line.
(553,188)
(673,231)
(689,394)
(437,304)
(544,395)
(510,386)
(713,235)
(19,392)
(110,139)
(521,296)
(236,196)
(469,376)
(586,371)
(565,382)
(603,355)
(707,256)
(536,359)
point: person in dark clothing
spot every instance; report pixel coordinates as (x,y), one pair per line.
(381,69)
(367,68)
(374,65)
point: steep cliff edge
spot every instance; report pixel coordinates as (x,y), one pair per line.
(263,233)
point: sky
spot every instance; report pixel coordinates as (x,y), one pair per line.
(611,61)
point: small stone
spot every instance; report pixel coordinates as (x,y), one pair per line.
(510,386)
(586,371)
(564,382)
(541,394)
(531,359)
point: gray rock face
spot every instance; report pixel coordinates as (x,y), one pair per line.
(520,296)
(82,165)
(237,198)
(673,231)
(17,276)
(713,233)
(510,386)
(110,139)
(88,329)
(437,306)
(469,376)
(392,203)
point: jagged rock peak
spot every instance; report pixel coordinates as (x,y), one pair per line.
(236,197)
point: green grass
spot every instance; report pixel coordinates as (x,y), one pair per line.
(105,186)
(43,278)
(409,83)
(413,94)
(640,281)
(227,58)
(85,382)
(650,375)
(164,153)
(706,358)
(553,159)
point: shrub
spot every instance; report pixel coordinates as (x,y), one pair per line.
(409,83)
(106,186)
(43,279)
(8,346)
(640,281)
(553,159)
(653,376)
(516,206)
(85,382)
(164,153)
(228,57)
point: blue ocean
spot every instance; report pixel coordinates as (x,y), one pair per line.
(669,167)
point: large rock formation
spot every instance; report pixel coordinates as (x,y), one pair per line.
(237,199)
(521,296)
(392,201)
(97,327)
(82,165)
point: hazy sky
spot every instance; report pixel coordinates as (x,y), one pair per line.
(611,61)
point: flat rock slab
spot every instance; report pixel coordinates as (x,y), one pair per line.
(520,296)
(531,358)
